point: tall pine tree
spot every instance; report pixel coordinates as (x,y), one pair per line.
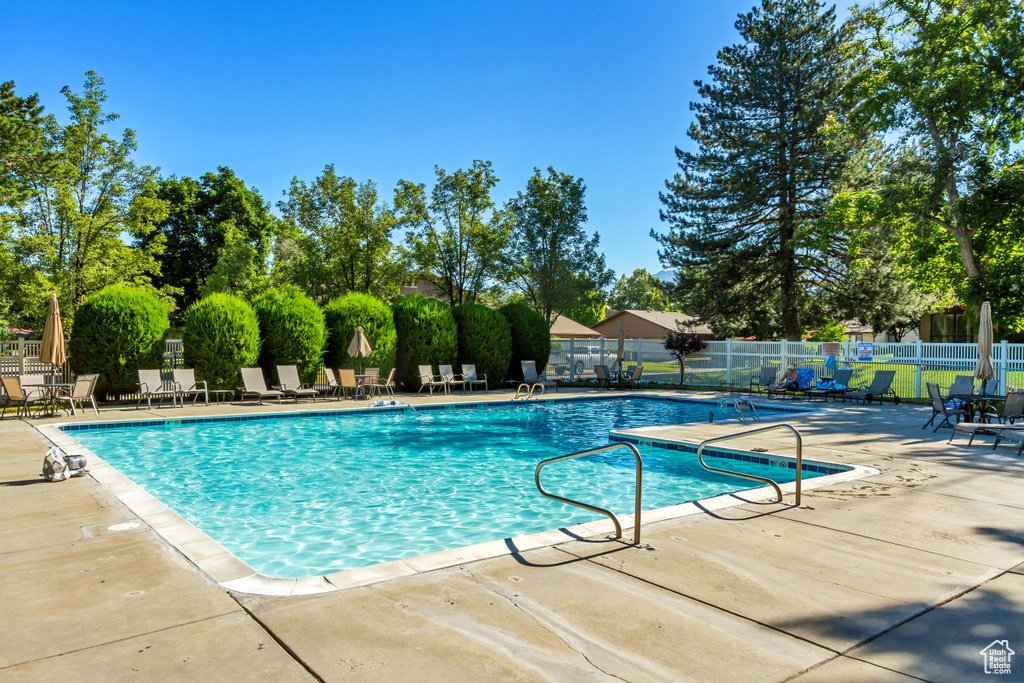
(743,209)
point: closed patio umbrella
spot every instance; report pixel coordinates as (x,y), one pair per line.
(984,370)
(52,350)
(359,346)
(620,356)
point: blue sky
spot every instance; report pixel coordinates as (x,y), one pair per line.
(387,90)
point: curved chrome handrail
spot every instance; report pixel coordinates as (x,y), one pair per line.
(754,477)
(594,508)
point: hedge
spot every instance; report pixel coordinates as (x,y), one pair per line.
(117,331)
(221,334)
(531,338)
(357,309)
(484,340)
(292,331)
(425,335)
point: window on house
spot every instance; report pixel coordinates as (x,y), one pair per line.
(950,328)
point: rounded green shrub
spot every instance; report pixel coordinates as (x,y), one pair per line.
(356,309)
(531,338)
(484,340)
(221,335)
(425,335)
(292,331)
(116,332)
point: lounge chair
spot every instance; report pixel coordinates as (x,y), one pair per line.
(333,386)
(939,407)
(1012,411)
(428,380)
(531,377)
(186,385)
(1013,432)
(152,385)
(83,389)
(765,379)
(633,379)
(962,384)
(835,387)
(804,378)
(255,386)
(602,376)
(16,395)
(471,378)
(291,385)
(348,385)
(880,387)
(450,378)
(388,385)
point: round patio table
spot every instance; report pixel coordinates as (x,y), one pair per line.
(978,402)
(50,393)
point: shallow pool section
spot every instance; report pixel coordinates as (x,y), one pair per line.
(302,494)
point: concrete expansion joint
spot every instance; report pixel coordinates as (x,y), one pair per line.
(540,624)
(712,605)
(134,636)
(291,653)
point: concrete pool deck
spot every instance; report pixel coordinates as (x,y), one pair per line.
(904,575)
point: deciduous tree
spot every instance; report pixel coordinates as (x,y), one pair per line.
(339,239)
(639,291)
(455,238)
(551,258)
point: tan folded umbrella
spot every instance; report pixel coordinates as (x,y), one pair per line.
(620,354)
(984,370)
(359,346)
(52,350)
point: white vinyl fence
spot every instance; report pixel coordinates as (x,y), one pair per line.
(733,363)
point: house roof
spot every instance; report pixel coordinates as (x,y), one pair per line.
(567,327)
(665,319)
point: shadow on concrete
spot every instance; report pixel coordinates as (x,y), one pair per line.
(943,643)
(25,482)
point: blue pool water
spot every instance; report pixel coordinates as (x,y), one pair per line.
(301,496)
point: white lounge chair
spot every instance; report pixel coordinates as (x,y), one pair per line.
(428,380)
(186,385)
(84,387)
(531,377)
(152,385)
(472,379)
(254,385)
(291,385)
(450,378)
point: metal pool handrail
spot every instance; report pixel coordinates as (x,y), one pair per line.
(594,508)
(754,477)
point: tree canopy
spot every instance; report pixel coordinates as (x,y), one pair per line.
(338,239)
(743,209)
(456,238)
(551,258)
(639,291)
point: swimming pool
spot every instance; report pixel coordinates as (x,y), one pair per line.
(300,494)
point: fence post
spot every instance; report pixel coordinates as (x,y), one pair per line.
(728,362)
(604,351)
(639,351)
(917,368)
(572,359)
(1004,362)
(784,356)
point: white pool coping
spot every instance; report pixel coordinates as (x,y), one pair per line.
(227,570)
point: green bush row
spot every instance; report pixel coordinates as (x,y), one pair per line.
(119,330)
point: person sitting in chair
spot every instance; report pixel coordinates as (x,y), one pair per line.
(789,381)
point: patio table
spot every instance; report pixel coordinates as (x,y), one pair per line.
(50,391)
(978,402)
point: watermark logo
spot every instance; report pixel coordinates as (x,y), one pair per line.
(998,656)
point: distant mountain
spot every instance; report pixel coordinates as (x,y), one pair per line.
(668,276)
